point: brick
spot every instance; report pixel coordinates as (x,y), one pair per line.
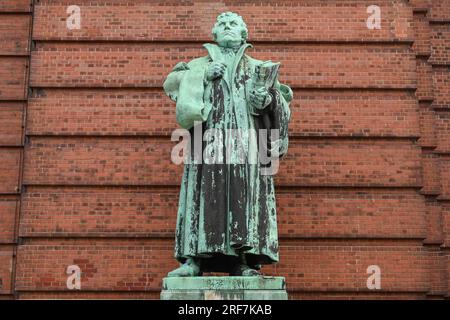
(105,266)
(192,21)
(8,209)
(424,90)
(354,113)
(139,266)
(438,272)
(422,32)
(420,5)
(431,173)
(441,86)
(434,221)
(147,65)
(445,207)
(440,48)
(9,170)
(151,112)
(427,125)
(442,124)
(84,295)
(118,211)
(116,161)
(144,161)
(299,295)
(14,32)
(6,265)
(358,213)
(350,163)
(101,112)
(439,11)
(447,256)
(343,268)
(15,6)
(13,77)
(444,167)
(150,212)
(11,115)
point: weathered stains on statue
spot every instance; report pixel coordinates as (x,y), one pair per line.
(229,208)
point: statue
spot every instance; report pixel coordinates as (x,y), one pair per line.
(227,214)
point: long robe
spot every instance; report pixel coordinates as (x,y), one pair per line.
(226,207)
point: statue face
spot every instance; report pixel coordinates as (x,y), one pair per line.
(229,32)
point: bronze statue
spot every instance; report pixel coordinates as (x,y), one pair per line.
(227,213)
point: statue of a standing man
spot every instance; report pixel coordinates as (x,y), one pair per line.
(227,214)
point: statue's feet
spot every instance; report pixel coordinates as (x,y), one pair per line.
(245,271)
(188,269)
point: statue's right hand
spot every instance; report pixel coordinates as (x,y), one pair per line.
(215,70)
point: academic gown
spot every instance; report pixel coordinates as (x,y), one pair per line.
(226,207)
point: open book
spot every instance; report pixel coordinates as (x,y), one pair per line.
(266,74)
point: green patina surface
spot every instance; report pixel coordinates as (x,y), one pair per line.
(227,211)
(224,295)
(225,283)
(224,288)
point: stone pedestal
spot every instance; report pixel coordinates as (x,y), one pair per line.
(224,288)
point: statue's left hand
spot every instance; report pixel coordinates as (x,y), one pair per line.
(260,98)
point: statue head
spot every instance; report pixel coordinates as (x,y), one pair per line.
(230,30)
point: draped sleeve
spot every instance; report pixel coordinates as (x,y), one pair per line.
(185,85)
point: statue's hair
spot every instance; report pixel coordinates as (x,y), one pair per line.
(230,14)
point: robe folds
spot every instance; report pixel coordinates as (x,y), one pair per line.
(227,206)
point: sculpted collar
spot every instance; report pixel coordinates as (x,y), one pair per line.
(215,51)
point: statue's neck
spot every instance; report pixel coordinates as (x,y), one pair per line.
(234,49)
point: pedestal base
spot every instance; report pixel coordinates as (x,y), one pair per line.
(224,288)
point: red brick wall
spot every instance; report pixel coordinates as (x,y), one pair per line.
(89,181)
(15,27)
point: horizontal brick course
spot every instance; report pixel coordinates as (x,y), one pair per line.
(431,173)
(8,209)
(425,90)
(146,161)
(427,125)
(150,112)
(146,65)
(439,11)
(13,78)
(441,87)
(440,47)
(14,32)
(11,119)
(15,6)
(6,265)
(442,123)
(422,32)
(138,266)
(445,211)
(444,166)
(148,212)
(9,170)
(434,220)
(175,21)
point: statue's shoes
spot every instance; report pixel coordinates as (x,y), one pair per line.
(188,269)
(250,272)
(245,271)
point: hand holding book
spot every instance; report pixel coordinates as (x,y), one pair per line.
(264,79)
